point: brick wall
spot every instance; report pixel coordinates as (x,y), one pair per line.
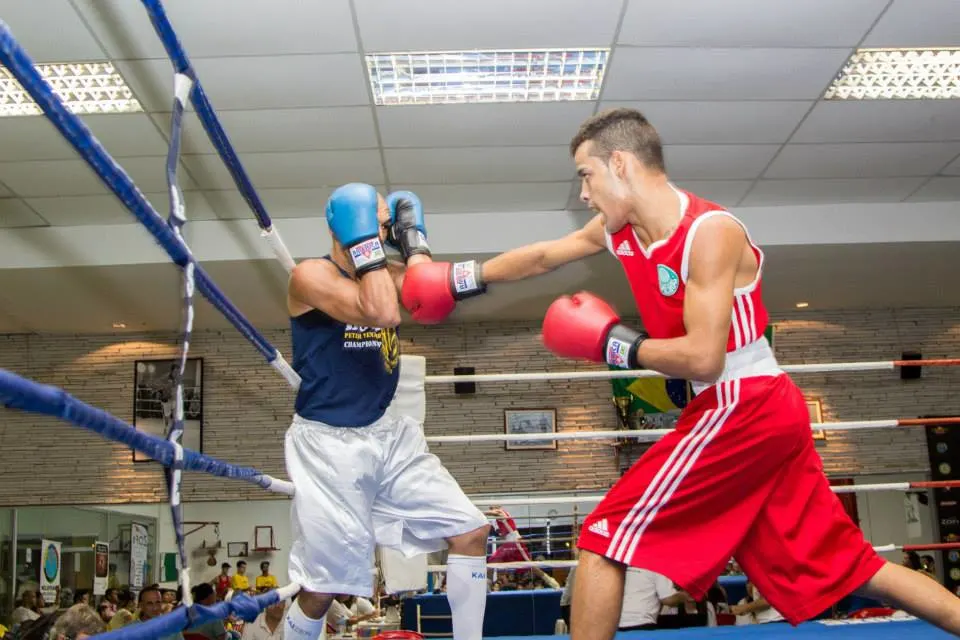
(247,406)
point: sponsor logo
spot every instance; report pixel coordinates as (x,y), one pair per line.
(367,252)
(623,249)
(464,276)
(600,528)
(618,353)
(668,280)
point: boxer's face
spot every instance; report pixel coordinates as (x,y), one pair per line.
(603,186)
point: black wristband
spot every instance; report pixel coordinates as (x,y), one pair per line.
(466,280)
(412,242)
(367,256)
(621,346)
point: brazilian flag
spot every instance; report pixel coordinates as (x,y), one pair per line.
(659,395)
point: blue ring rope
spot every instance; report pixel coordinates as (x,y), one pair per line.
(17,392)
(185,617)
(205,112)
(71,127)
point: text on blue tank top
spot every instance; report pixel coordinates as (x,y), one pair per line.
(348,373)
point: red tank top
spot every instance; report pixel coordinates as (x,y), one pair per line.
(658,276)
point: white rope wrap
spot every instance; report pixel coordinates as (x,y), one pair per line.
(182,86)
(645,373)
(280,250)
(279,486)
(291,376)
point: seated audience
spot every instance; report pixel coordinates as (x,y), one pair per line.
(204,594)
(645,593)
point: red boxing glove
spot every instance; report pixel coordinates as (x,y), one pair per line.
(587,328)
(426,292)
(431,289)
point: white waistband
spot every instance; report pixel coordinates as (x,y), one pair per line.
(755,359)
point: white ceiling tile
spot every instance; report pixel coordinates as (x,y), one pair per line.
(121,134)
(50,30)
(724,192)
(748,23)
(832,191)
(494,24)
(333,80)
(938,189)
(15,213)
(917,23)
(465,125)
(301,170)
(477,165)
(721,74)
(720,122)
(280,203)
(92,210)
(867,160)
(75,178)
(717,161)
(215,28)
(881,121)
(953,169)
(480,198)
(257,82)
(285,130)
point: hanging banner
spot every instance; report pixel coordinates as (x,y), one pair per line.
(654,403)
(138,556)
(50,565)
(101,567)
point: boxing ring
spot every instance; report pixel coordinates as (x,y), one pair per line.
(19,393)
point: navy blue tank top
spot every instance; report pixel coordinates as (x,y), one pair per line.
(348,373)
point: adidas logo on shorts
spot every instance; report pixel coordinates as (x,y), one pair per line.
(623,249)
(600,528)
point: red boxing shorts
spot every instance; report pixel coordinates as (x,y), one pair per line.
(739,477)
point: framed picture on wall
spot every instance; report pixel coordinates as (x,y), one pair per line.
(154,399)
(816,415)
(530,421)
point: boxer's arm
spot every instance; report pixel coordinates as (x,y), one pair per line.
(541,257)
(371,302)
(708,304)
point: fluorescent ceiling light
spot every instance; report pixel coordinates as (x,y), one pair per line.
(84,87)
(898,74)
(453,77)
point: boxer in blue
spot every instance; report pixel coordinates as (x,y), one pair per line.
(355,451)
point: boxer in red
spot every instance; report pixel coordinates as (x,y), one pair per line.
(739,476)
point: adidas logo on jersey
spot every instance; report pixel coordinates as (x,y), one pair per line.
(600,528)
(623,249)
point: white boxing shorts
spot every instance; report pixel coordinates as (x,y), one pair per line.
(357,487)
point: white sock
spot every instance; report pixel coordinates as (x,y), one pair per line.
(467,595)
(297,626)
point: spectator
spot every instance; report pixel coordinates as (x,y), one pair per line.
(566,597)
(82,596)
(204,594)
(265,580)
(77,623)
(26,610)
(757,607)
(222,582)
(126,610)
(150,605)
(240,582)
(267,626)
(645,593)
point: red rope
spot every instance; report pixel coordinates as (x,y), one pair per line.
(942,362)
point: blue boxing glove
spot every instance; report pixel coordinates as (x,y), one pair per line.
(352,216)
(408,233)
